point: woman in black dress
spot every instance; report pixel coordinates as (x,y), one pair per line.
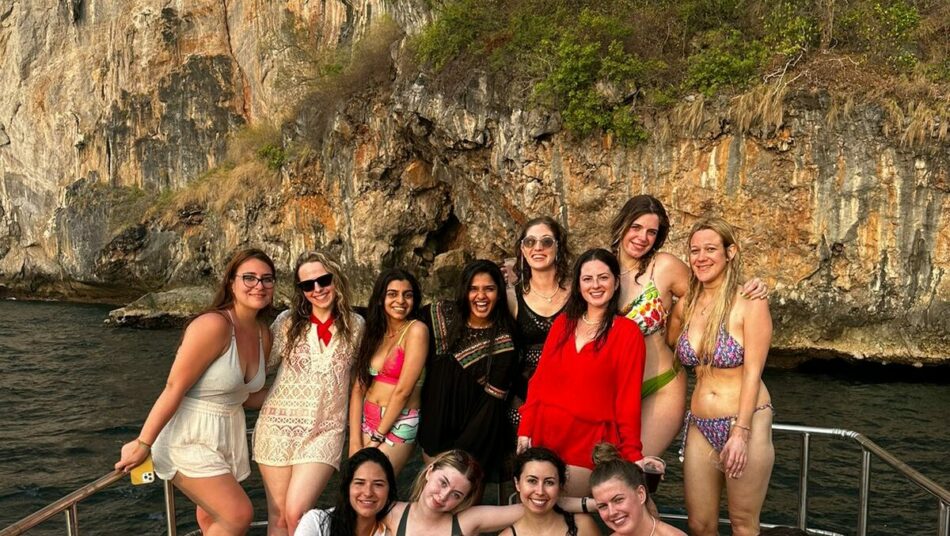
(468,370)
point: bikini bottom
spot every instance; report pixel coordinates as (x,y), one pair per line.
(404,430)
(715,429)
(654,384)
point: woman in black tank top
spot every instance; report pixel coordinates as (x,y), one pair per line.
(539,477)
(442,500)
(542,269)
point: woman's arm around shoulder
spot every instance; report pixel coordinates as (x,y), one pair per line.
(674,324)
(671,274)
(204,341)
(278,331)
(586,526)
(489,518)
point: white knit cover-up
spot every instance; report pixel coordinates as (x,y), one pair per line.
(304,416)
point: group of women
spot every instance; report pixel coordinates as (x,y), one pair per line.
(548,359)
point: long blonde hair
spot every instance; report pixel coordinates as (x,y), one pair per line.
(301,308)
(725,295)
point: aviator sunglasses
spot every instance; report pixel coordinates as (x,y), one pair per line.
(546,242)
(323,281)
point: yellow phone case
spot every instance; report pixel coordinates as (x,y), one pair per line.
(143,473)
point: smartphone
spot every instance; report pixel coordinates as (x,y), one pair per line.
(144,473)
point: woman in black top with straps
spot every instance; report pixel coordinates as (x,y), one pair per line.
(543,270)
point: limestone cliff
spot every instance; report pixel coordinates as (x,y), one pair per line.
(110,107)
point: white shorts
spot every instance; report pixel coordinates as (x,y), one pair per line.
(203,439)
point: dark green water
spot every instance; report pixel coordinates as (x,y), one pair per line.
(73,390)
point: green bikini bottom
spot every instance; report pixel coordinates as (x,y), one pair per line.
(656,383)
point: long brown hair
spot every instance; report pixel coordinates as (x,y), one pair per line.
(376,320)
(223,295)
(300,307)
(576,305)
(635,207)
(725,295)
(562,254)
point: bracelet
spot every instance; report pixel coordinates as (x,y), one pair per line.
(144,444)
(746,428)
(376,436)
(584,505)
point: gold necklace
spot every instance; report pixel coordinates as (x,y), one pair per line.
(550,298)
(588,322)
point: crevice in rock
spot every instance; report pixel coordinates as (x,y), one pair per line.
(245,87)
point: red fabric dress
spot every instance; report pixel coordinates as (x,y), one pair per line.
(578,399)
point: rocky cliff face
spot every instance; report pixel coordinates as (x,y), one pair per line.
(109,107)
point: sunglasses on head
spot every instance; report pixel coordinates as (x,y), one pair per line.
(546,242)
(323,281)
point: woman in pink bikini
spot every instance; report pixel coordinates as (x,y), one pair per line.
(725,336)
(386,393)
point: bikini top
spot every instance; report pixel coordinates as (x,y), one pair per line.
(728,354)
(392,366)
(647,309)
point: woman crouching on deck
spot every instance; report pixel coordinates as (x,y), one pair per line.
(725,336)
(388,374)
(587,385)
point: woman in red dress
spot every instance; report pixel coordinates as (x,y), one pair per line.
(587,386)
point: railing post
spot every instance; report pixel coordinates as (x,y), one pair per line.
(943,523)
(72,520)
(864,491)
(171,523)
(803,481)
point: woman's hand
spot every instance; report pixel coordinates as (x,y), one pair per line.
(524,443)
(652,464)
(133,454)
(755,289)
(735,454)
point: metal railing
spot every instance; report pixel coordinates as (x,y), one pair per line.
(69,503)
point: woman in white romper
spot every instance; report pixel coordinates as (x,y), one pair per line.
(298,439)
(196,429)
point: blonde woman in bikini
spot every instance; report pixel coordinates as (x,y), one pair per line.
(650,280)
(386,392)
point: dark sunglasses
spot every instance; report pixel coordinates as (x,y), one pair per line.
(323,281)
(529,242)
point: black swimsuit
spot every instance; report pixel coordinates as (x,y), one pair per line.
(404,520)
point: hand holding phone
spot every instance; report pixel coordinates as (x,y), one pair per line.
(143,473)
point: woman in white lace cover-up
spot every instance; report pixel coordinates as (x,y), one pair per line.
(298,440)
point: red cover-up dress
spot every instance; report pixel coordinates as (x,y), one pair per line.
(578,399)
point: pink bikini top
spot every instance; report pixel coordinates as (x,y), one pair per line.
(392,366)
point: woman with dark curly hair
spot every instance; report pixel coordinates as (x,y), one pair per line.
(471,356)
(389,369)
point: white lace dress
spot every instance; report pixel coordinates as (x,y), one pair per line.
(303,418)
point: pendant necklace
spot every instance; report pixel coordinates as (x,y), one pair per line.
(550,298)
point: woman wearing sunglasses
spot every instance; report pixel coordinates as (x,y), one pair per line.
(298,440)
(543,272)
(195,430)
(387,391)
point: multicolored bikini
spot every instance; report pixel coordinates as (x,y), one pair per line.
(648,312)
(728,354)
(406,427)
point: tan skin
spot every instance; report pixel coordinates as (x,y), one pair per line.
(368,492)
(539,488)
(292,490)
(398,302)
(624,510)
(745,463)
(223,507)
(445,489)
(662,413)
